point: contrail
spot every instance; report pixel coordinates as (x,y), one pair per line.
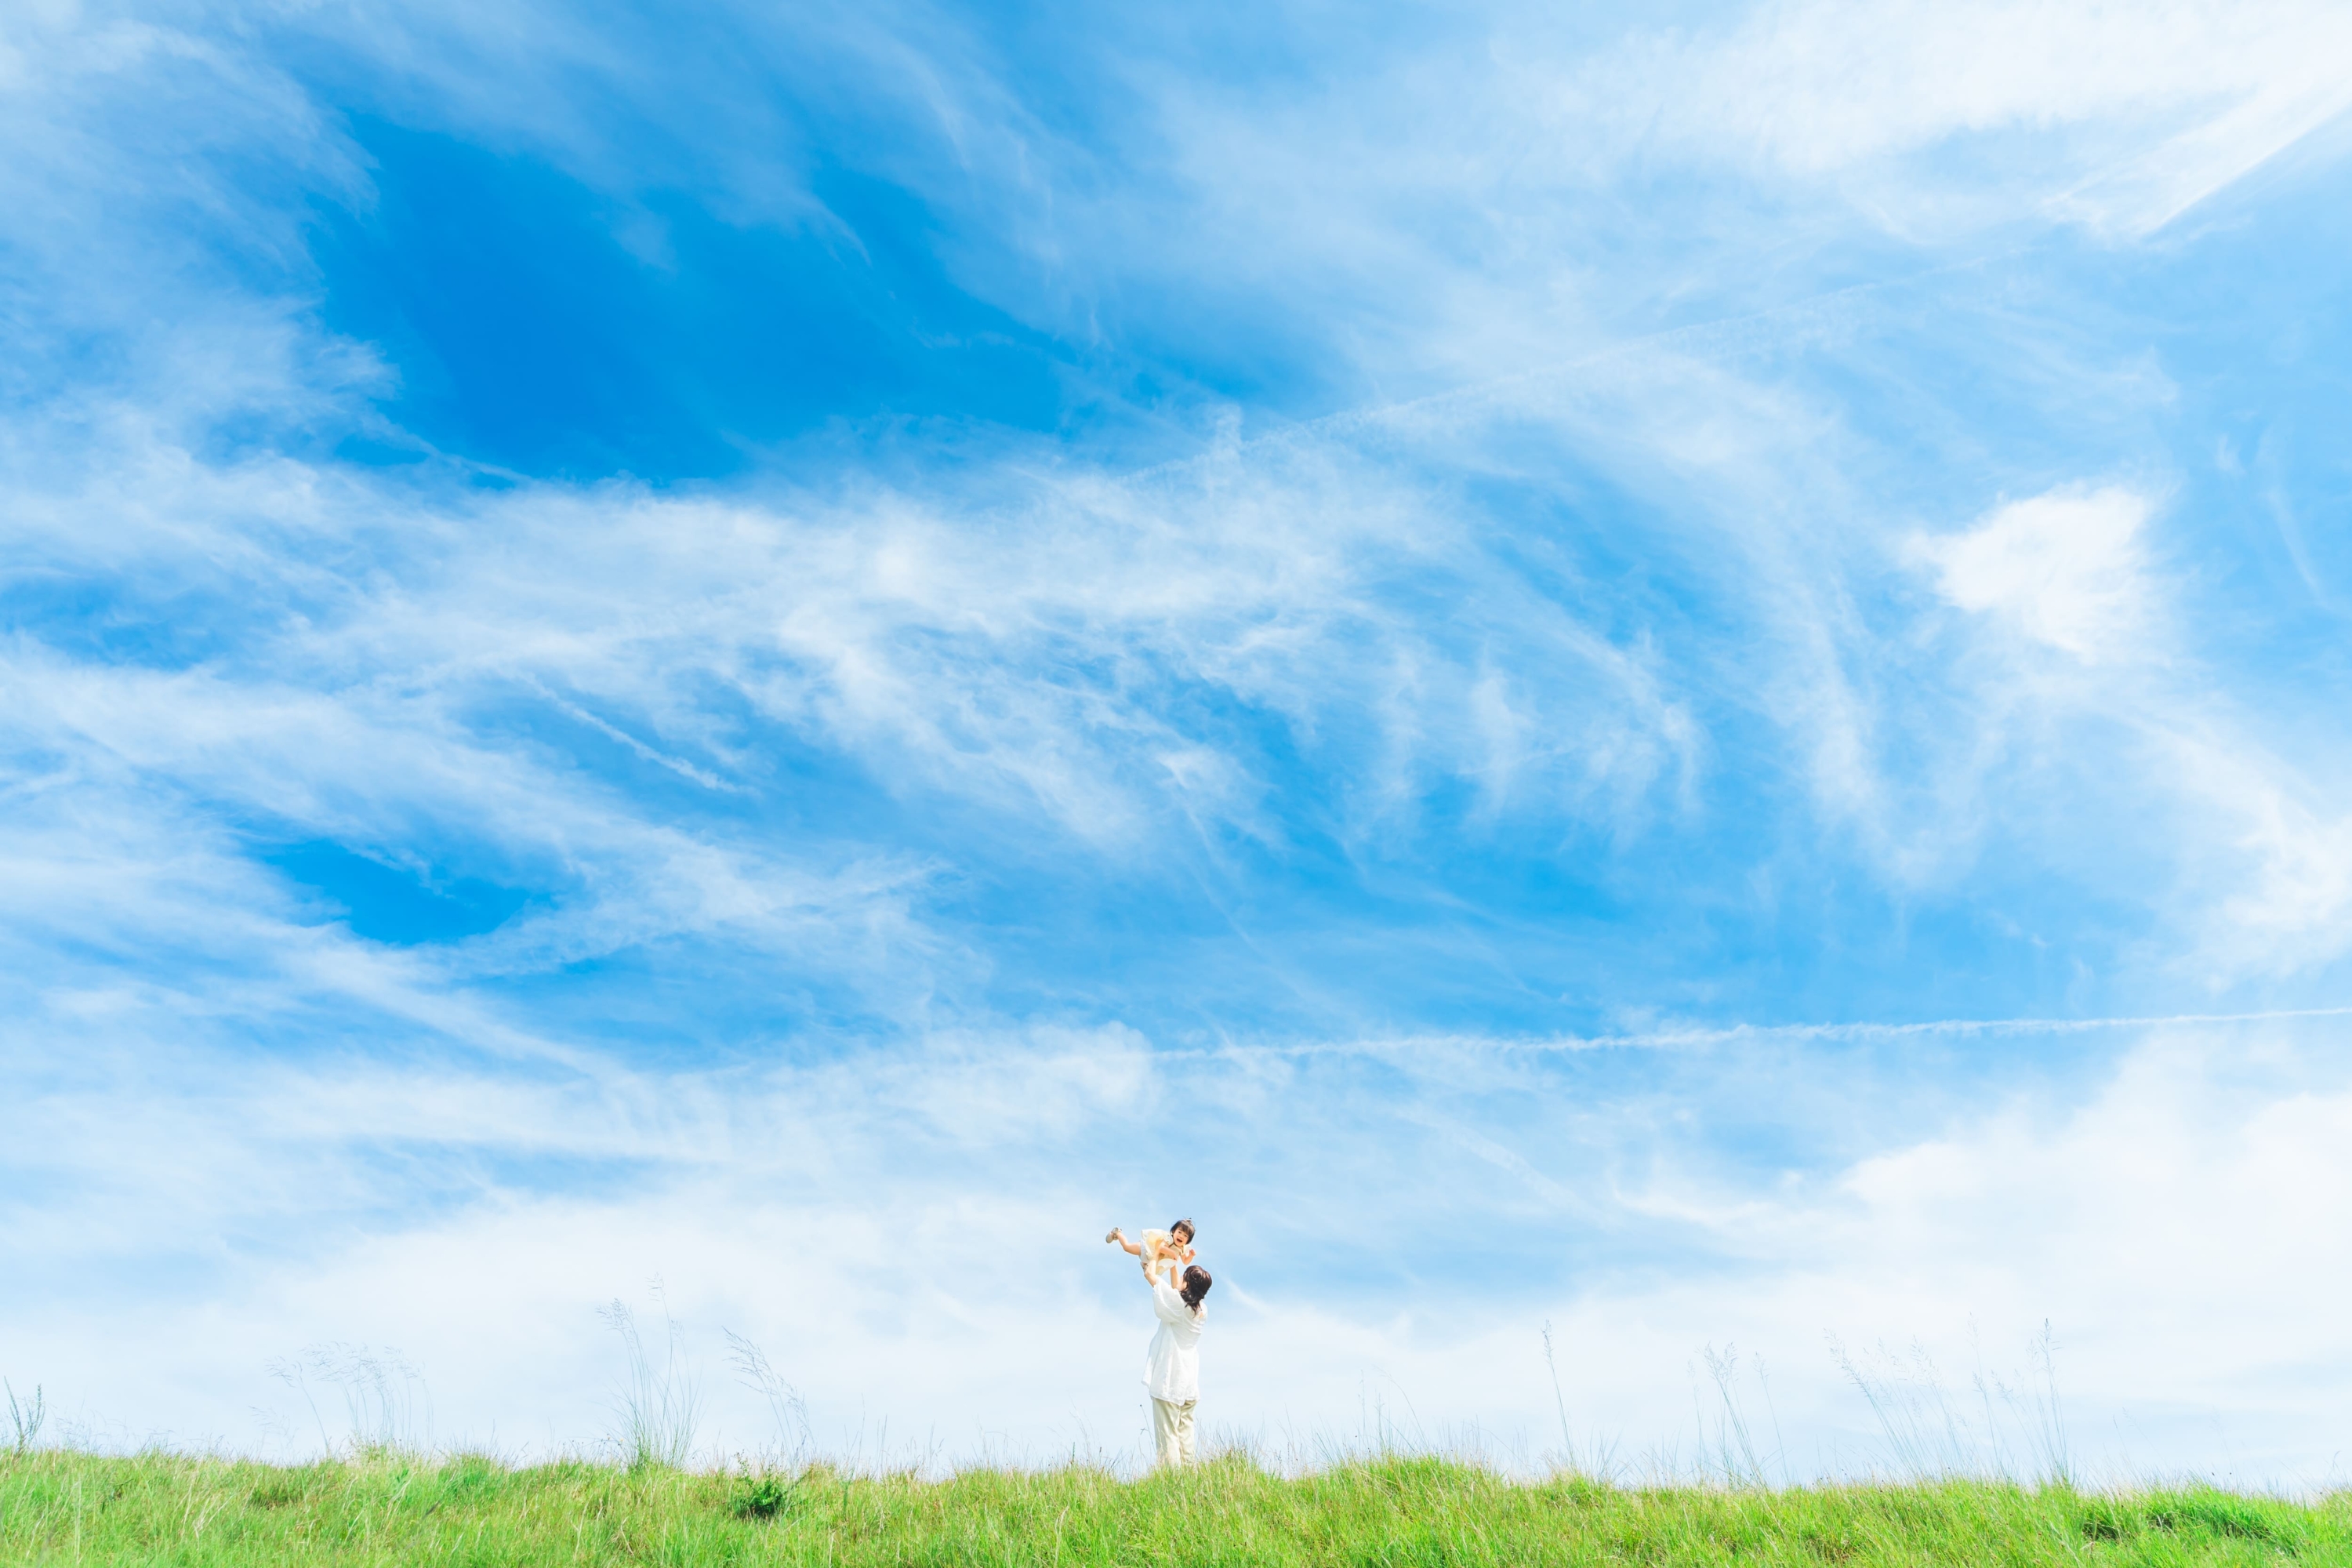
(1667,1039)
(1929,1027)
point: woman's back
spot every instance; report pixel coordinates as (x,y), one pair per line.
(1171,1368)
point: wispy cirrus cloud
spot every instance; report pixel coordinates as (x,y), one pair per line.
(2129,115)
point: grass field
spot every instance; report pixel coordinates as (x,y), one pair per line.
(63,1507)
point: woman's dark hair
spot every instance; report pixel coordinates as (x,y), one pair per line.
(1186,1227)
(1196,1285)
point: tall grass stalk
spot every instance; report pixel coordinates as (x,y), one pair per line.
(1734,1457)
(387,1408)
(26,1418)
(2048,1416)
(1560,1402)
(660,1405)
(1927,1435)
(785,1405)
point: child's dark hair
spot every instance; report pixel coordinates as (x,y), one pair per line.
(1186,1227)
(1196,1285)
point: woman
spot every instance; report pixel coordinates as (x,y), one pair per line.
(1171,1369)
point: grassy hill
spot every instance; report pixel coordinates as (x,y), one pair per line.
(58,1507)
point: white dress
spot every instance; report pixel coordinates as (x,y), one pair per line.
(1172,1367)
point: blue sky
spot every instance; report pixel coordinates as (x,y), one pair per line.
(1676,673)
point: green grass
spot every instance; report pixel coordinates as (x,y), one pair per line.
(63,1507)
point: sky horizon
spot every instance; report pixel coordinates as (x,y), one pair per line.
(1666,683)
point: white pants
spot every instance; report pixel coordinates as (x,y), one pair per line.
(1171,1430)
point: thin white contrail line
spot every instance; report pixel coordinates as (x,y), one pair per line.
(1667,1039)
(1939,1026)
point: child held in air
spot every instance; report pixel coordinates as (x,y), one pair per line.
(1158,1249)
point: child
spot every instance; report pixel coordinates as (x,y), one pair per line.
(1159,1248)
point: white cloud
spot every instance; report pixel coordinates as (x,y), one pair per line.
(2273,869)
(1029,667)
(2133,112)
(2065,569)
(2253,833)
(955,1286)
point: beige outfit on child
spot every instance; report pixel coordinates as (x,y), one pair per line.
(1159,1248)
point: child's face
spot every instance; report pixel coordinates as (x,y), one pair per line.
(1180,1237)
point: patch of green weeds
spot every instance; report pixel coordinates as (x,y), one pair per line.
(760,1496)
